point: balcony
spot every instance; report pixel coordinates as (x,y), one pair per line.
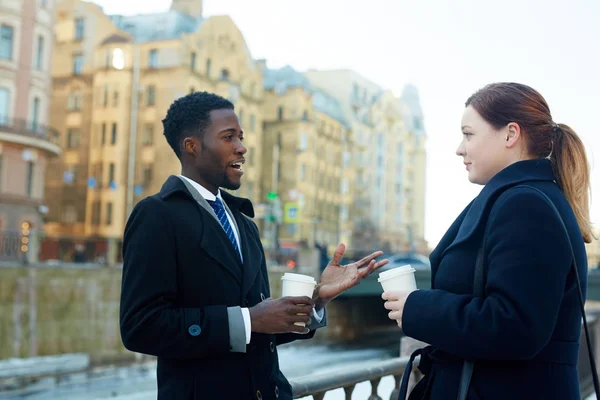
(29,133)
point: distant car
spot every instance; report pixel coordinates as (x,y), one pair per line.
(417,261)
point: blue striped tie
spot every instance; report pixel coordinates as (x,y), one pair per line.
(222,215)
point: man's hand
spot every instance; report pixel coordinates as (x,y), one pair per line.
(278,316)
(337,278)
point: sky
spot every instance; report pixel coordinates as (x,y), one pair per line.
(448,49)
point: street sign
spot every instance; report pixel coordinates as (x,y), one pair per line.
(291,213)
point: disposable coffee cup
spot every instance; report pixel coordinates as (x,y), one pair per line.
(297,285)
(398,279)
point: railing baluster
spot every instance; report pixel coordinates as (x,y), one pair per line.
(319,396)
(396,391)
(374,386)
(349,390)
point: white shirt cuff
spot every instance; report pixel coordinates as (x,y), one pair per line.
(318,314)
(248,324)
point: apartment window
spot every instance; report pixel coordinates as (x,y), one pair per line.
(303,172)
(29,179)
(208,67)
(192,90)
(280,113)
(69,214)
(153,59)
(105,96)
(224,74)
(74,101)
(103,133)
(35,114)
(96,206)
(305,116)
(115,99)
(77,64)
(7,34)
(39,59)
(252,122)
(70,174)
(79,28)
(109,211)
(4,105)
(193,61)
(345,186)
(303,141)
(73,136)
(111,173)
(113,135)
(147,180)
(151,95)
(148,135)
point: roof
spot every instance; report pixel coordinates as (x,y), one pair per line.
(287,77)
(284,78)
(116,38)
(160,26)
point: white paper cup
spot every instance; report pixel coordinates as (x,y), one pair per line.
(296,285)
(398,279)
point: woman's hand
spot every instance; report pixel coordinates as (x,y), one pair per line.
(395,302)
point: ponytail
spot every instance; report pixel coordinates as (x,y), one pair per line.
(571,169)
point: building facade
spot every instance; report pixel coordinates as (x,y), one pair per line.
(121,75)
(27,143)
(389,158)
(307,161)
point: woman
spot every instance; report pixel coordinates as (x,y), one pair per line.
(523,334)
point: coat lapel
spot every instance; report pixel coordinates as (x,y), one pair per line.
(213,240)
(477,212)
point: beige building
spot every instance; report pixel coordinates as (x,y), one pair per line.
(114,79)
(307,161)
(26,142)
(389,157)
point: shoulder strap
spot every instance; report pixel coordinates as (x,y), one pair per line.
(478,290)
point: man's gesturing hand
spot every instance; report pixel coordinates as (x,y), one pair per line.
(278,316)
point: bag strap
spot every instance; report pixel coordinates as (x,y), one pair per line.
(478,283)
(478,290)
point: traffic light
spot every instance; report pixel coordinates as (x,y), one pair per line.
(25,230)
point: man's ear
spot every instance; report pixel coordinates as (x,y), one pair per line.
(191,146)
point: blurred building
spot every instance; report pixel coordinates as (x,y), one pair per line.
(26,142)
(307,149)
(114,79)
(389,157)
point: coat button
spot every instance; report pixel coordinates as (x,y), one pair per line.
(262,297)
(258,395)
(272,347)
(194,330)
(276,392)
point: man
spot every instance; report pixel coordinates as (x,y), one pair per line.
(195,289)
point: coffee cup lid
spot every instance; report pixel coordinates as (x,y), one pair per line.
(299,278)
(390,273)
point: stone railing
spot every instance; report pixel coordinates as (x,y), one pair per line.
(373,372)
(348,378)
